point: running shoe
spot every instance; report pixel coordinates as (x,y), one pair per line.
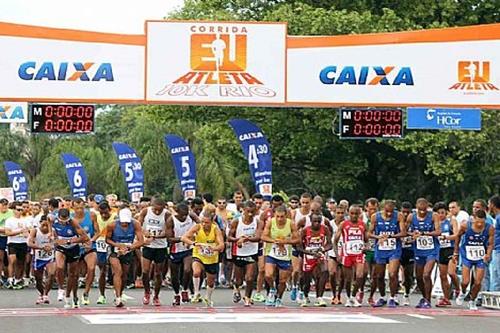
(101,300)
(278,303)
(156,301)
(270,301)
(177,300)
(426,305)
(406,300)
(349,303)
(320,302)
(236,296)
(196,298)
(60,295)
(472,305)
(293,294)
(420,304)
(68,303)
(380,303)
(392,303)
(85,300)
(355,303)
(39,300)
(300,297)
(371,302)
(460,299)
(46,299)
(247,301)
(146,299)
(76,303)
(259,298)
(305,303)
(185,296)
(359,296)
(208,302)
(119,302)
(442,303)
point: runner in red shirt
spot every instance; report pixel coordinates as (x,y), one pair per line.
(354,236)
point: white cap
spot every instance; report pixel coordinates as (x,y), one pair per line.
(125,215)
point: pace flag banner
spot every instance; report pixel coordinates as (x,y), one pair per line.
(17,180)
(258,153)
(77,176)
(184,163)
(131,166)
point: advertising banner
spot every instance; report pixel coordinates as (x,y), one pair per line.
(77,177)
(184,164)
(17,180)
(131,167)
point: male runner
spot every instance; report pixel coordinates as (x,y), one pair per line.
(207,241)
(447,266)
(17,229)
(104,218)
(279,234)
(5,213)
(476,241)
(68,235)
(316,241)
(153,220)
(334,262)
(41,241)
(88,252)
(245,234)
(298,215)
(407,255)
(180,253)
(387,227)
(124,237)
(354,236)
(425,229)
(371,207)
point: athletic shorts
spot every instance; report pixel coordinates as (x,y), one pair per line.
(422,260)
(284,265)
(382,258)
(72,254)
(469,264)
(209,268)
(349,261)
(445,255)
(407,256)
(18,249)
(102,258)
(84,253)
(244,260)
(370,257)
(125,259)
(156,255)
(3,243)
(310,265)
(39,265)
(177,258)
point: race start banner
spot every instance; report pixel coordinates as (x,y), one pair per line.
(131,167)
(184,163)
(77,177)
(258,153)
(17,180)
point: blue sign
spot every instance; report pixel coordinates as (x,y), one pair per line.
(184,163)
(77,177)
(258,153)
(131,167)
(17,180)
(439,118)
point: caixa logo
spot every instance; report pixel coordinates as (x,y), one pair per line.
(66,71)
(367,75)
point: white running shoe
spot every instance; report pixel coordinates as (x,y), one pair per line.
(68,303)
(355,303)
(60,295)
(349,303)
(472,305)
(406,300)
(460,299)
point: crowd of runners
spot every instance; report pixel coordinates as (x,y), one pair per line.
(259,248)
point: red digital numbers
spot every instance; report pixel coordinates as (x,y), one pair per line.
(377,123)
(61,118)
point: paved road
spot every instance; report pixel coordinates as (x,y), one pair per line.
(19,314)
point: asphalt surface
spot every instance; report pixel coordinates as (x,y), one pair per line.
(18,313)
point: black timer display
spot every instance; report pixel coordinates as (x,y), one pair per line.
(62,118)
(371,123)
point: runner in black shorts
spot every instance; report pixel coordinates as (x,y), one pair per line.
(407,256)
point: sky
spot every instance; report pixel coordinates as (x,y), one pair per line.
(117,16)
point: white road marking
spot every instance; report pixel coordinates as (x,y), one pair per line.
(156,318)
(419,316)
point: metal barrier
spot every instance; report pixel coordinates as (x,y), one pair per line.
(491,300)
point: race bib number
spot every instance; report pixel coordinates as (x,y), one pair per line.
(354,247)
(474,252)
(425,243)
(279,251)
(444,243)
(312,248)
(154,231)
(101,246)
(44,255)
(387,245)
(117,249)
(207,251)
(407,241)
(371,244)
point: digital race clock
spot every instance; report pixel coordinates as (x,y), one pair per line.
(371,123)
(62,118)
